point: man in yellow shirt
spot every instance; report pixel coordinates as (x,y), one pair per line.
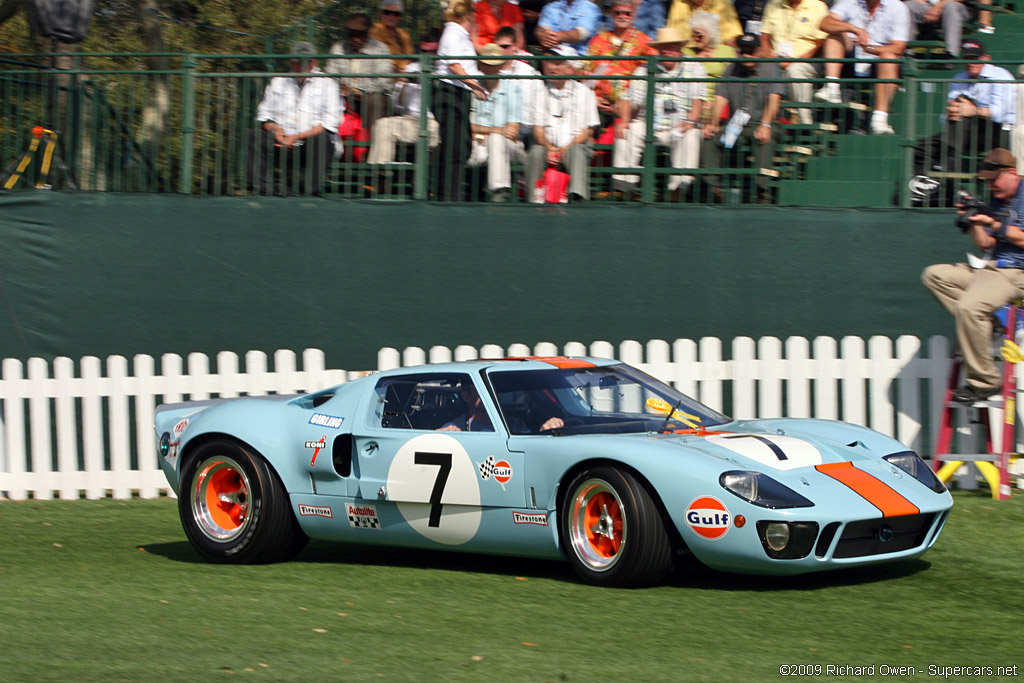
(728,25)
(791,29)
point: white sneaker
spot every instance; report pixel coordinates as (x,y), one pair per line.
(880,127)
(827,94)
(985,28)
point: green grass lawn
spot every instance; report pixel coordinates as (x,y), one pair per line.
(111,591)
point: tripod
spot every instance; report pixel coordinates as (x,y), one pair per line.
(50,155)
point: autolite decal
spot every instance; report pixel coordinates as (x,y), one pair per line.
(538,518)
(708,517)
(329,421)
(315,511)
(362,516)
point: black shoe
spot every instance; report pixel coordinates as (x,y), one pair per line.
(968,395)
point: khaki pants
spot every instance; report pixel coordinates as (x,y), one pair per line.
(972,295)
(684,152)
(802,92)
(391,130)
(498,152)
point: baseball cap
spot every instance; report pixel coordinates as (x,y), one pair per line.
(302,48)
(995,162)
(972,49)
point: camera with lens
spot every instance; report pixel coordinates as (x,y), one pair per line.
(971,207)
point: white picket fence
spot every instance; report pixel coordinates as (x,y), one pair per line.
(91,435)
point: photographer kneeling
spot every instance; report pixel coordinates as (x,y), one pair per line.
(973,295)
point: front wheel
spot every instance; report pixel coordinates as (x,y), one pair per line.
(233,507)
(612,530)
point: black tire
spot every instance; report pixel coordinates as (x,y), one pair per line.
(233,507)
(612,530)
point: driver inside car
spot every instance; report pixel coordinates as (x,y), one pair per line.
(476,419)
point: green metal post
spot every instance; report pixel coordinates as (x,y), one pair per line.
(420,170)
(188,119)
(650,151)
(910,86)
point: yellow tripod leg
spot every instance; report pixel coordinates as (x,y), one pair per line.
(44,171)
(947,470)
(22,164)
(991,474)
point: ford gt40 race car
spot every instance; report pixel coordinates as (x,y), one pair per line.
(582,458)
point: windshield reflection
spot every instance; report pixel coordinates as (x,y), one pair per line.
(616,399)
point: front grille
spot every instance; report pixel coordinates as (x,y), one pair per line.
(880,536)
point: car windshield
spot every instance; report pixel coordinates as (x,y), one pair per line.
(616,399)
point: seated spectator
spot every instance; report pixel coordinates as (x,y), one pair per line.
(682,11)
(979,116)
(707,45)
(790,29)
(495,123)
(754,108)
(492,15)
(405,125)
(505,39)
(388,31)
(623,40)
(531,10)
(366,95)
(869,30)
(563,116)
(650,16)
(677,114)
(750,14)
(945,16)
(298,119)
(568,22)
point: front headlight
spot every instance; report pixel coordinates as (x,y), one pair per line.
(909,462)
(762,490)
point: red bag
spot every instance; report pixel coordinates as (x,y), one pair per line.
(351,129)
(553,186)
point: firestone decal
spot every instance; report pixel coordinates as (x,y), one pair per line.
(538,518)
(329,421)
(362,516)
(708,517)
(501,470)
(316,511)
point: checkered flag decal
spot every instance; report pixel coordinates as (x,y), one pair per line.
(486,467)
(363,522)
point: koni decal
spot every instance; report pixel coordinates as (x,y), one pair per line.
(317,446)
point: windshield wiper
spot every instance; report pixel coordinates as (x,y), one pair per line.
(664,425)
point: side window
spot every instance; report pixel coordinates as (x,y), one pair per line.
(435,401)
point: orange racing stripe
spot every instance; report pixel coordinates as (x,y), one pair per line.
(563,362)
(871,488)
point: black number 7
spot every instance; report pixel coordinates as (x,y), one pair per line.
(444,463)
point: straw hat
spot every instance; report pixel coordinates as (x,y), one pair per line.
(496,54)
(667,36)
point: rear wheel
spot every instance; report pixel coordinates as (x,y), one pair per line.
(612,530)
(234,508)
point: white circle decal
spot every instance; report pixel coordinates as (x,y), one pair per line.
(434,483)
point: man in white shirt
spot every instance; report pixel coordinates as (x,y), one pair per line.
(495,125)
(298,131)
(867,30)
(366,95)
(405,126)
(563,115)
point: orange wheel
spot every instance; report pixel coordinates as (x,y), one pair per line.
(220,490)
(612,529)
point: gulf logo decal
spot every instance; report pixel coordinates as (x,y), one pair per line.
(500,471)
(708,517)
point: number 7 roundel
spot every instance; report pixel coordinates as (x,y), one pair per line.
(434,483)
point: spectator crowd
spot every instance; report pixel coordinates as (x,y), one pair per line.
(556,86)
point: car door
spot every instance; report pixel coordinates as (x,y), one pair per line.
(423,449)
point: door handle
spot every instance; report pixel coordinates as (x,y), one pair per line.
(370,447)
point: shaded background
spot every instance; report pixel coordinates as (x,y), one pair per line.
(100,274)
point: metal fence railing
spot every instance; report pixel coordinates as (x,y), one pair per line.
(123,127)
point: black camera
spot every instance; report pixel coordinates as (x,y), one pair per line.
(971,207)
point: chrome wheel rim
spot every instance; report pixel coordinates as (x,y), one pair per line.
(220,499)
(597,529)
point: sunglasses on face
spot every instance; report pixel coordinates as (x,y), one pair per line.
(992,166)
(506,47)
(391,12)
(622,13)
(354,33)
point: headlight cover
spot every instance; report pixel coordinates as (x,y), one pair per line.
(912,464)
(762,490)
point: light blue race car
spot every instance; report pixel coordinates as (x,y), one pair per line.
(582,458)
